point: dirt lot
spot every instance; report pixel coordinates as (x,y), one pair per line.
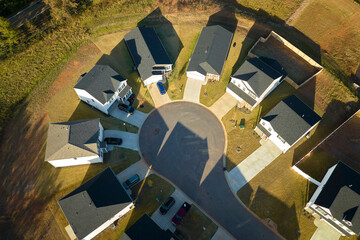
(342,145)
(297,68)
(334,25)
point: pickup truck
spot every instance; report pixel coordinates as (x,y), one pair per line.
(176,220)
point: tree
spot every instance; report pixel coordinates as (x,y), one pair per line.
(9,37)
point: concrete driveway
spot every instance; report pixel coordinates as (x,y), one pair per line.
(192,90)
(137,119)
(184,142)
(130,140)
(252,165)
(324,231)
(164,221)
(157,97)
(223,105)
(140,168)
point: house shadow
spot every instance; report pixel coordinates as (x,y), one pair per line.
(165,31)
(225,18)
(335,114)
(266,206)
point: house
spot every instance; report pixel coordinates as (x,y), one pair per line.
(254,80)
(146,229)
(288,122)
(210,53)
(75,143)
(101,87)
(148,54)
(337,199)
(96,204)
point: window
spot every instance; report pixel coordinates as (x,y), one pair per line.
(263,123)
(252,95)
(322,211)
(270,129)
(92,100)
(281,139)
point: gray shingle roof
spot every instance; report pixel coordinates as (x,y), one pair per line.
(72,139)
(146,229)
(241,94)
(341,195)
(146,50)
(94,202)
(258,74)
(211,50)
(101,82)
(291,118)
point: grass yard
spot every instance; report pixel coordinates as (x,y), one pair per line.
(188,36)
(280,194)
(196,226)
(337,32)
(246,138)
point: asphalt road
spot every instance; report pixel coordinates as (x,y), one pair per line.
(185,143)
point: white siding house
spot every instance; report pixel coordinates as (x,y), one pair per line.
(101,87)
(255,80)
(287,123)
(148,54)
(96,204)
(75,143)
(210,53)
(337,200)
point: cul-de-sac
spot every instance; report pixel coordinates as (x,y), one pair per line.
(180,119)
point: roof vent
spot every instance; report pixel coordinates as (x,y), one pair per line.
(303,115)
(350,185)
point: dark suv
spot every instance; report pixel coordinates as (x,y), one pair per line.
(126,108)
(131,181)
(167,205)
(176,220)
(113,141)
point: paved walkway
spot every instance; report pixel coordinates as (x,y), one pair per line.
(192,90)
(156,96)
(252,165)
(164,221)
(223,105)
(324,231)
(137,119)
(130,140)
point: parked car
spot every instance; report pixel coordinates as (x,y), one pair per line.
(161,88)
(113,141)
(176,220)
(167,205)
(131,181)
(126,108)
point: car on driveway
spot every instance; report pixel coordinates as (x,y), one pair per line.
(167,205)
(131,181)
(126,108)
(161,88)
(176,220)
(113,141)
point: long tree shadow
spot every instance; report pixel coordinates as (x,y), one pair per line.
(335,114)
(25,188)
(225,18)
(165,31)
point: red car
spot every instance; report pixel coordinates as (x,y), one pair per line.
(176,220)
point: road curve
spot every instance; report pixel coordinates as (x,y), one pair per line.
(185,142)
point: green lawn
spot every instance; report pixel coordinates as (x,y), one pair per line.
(246,138)
(196,226)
